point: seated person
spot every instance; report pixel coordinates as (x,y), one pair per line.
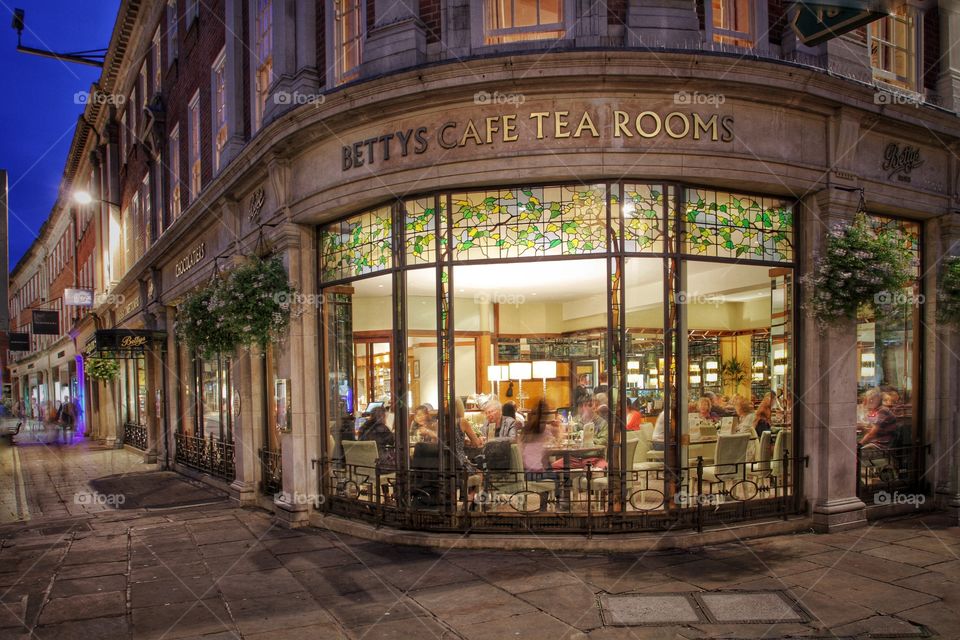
(497,424)
(533,441)
(375,429)
(891,400)
(509,410)
(764,414)
(423,425)
(879,425)
(588,418)
(705,410)
(603,386)
(717,407)
(747,417)
(634,415)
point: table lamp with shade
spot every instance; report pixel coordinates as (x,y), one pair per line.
(520,371)
(544,369)
(497,373)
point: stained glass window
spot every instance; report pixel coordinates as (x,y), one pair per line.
(642,218)
(421,228)
(358,245)
(528,222)
(910,231)
(728,225)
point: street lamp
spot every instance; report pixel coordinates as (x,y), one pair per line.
(84,198)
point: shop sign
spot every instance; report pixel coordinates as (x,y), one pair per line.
(19,341)
(46,322)
(124,342)
(816,22)
(900,161)
(506,128)
(132,306)
(78,297)
(190,260)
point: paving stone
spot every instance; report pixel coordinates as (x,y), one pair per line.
(880,626)
(81,586)
(171,570)
(468,603)
(747,631)
(829,612)
(865,565)
(290,610)
(943,620)
(906,555)
(387,629)
(236,548)
(313,560)
(427,573)
(83,607)
(116,627)
(527,626)
(260,583)
(296,544)
(171,590)
(575,605)
(614,579)
(880,596)
(118,567)
(13,613)
(706,574)
(180,620)
(643,609)
(341,581)
(220,535)
(247,563)
(768,608)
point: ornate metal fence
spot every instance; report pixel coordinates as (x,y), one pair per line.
(576,500)
(211,455)
(135,435)
(889,475)
(271,472)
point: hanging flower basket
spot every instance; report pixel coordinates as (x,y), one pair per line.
(103,369)
(248,306)
(257,298)
(948,293)
(860,266)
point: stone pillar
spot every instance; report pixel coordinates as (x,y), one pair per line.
(397,40)
(300,364)
(948,82)
(294,55)
(456,28)
(848,56)
(236,51)
(942,382)
(171,392)
(826,403)
(244,449)
(108,414)
(662,23)
(153,361)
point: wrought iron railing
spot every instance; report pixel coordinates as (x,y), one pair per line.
(271,472)
(135,435)
(584,500)
(211,455)
(890,475)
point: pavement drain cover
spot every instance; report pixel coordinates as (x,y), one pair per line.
(750,607)
(641,609)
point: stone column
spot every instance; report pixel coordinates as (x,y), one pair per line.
(108,414)
(948,83)
(153,361)
(662,23)
(300,363)
(397,40)
(942,382)
(826,403)
(171,392)
(244,449)
(294,55)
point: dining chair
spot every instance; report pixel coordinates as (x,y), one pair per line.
(599,485)
(361,458)
(761,469)
(515,484)
(729,459)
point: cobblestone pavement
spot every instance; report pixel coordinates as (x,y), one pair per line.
(218,572)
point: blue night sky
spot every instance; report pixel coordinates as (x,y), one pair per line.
(38,117)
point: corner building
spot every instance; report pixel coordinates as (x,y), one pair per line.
(527,199)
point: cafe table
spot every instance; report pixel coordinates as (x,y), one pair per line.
(567,453)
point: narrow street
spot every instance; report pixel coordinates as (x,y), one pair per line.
(128,560)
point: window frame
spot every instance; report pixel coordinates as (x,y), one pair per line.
(337,77)
(259,65)
(219,109)
(157,62)
(175,174)
(194,147)
(479,32)
(758,36)
(913,17)
(173,23)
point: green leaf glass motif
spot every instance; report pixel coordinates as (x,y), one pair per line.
(728,225)
(420,223)
(643,218)
(356,246)
(909,230)
(531,221)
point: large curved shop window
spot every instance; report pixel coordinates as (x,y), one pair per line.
(651,324)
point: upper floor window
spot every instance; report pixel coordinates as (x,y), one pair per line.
(172,21)
(349,28)
(518,20)
(146,213)
(733,22)
(156,61)
(263,64)
(193,133)
(174,173)
(219,109)
(893,48)
(123,135)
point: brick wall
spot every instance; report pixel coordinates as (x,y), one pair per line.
(321,42)
(430,15)
(777,20)
(931,48)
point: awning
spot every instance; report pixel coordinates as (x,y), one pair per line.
(125,343)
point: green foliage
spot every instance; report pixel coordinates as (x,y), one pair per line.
(103,369)
(860,266)
(948,293)
(249,306)
(734,373)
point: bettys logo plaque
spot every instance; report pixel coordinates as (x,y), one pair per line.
(900,161)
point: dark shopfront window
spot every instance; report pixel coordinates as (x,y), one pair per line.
(888,366)
(135,391)
(655,321)
(213,397)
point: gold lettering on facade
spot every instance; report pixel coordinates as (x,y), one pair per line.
(540,115)
(190,260)
(586,123)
